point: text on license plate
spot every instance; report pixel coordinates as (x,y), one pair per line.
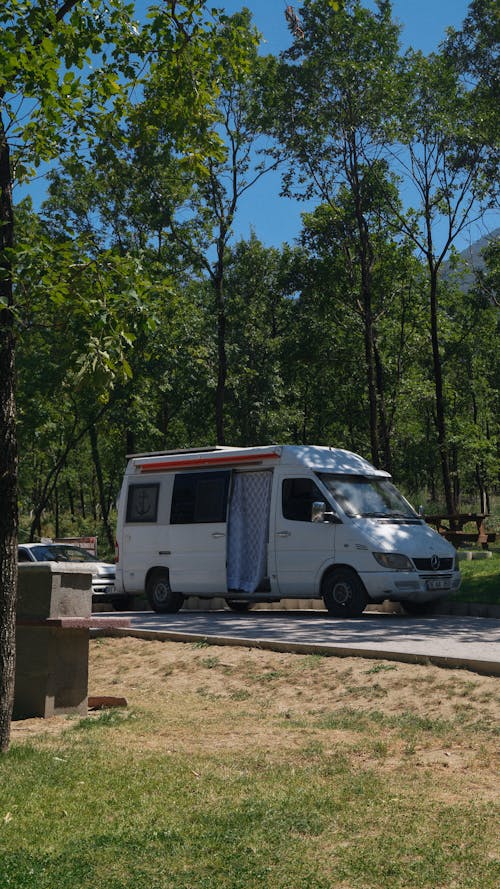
(438,584)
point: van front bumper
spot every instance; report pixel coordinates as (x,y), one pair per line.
(398,586)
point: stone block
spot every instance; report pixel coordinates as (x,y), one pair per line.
(52,639)
(51,671)
(53,589)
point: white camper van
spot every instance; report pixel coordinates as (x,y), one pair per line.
(268,523)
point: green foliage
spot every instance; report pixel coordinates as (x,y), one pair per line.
(473,50)
(332,89)
(136,312)
(259,314)
(56,79)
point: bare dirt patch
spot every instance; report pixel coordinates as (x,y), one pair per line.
(190,698)
(148,672)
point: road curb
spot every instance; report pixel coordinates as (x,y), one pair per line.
(460,609)
(470,609)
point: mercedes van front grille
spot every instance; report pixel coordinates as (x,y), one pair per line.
(434,564)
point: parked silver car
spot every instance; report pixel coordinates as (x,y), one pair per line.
(103,573)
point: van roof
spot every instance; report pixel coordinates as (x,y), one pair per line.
(315,457)
(329,459)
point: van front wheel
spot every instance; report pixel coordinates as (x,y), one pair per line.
(160,596)
(343,593)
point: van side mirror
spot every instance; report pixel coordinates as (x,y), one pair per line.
(319,513)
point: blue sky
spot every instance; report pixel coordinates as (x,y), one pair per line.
(424,21)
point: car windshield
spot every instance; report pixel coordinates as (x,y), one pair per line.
(367,497)
(62,553)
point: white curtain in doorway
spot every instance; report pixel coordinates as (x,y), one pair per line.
(248,530)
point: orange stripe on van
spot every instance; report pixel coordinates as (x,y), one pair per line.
(222,460)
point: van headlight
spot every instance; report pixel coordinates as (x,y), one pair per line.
(394,561)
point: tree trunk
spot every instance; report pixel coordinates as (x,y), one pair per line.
(365,256)
(129,441)
(220,394)
(56,467)
(56,511)
(372,392)
(484,500)
(8,454)
(100,487)
(444,456)
(83,510)
(385,434)
(71,499)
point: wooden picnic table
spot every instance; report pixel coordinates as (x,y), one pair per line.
(452,527)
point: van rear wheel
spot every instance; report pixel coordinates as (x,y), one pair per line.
(160,595)
(343,593)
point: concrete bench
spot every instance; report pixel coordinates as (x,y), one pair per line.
(53,623)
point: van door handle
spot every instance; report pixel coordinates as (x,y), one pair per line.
(217,534)
(283,533)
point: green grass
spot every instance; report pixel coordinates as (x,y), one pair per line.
(77,819)
(480,580)
(84,810)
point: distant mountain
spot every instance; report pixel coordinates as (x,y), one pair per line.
(472,260)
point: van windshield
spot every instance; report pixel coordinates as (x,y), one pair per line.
(367,497)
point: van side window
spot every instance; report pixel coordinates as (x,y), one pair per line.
(142,503)
(298,496)
(199,497)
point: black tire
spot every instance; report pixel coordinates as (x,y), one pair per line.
(418,609)
(343,593)
(239,605)
(160,596)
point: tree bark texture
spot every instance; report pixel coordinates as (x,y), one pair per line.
(374,377)
(444,455)
(8,453)
(220,394)
(96,457)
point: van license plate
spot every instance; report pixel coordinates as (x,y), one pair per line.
(438,584)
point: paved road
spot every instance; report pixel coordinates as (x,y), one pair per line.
(445,640)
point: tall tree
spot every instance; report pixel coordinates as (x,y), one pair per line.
(332,289)
(259,284)
(474,50)
(444,160)
(198,207)
(171,182)
(331,93)
(472,351)
(49,95)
